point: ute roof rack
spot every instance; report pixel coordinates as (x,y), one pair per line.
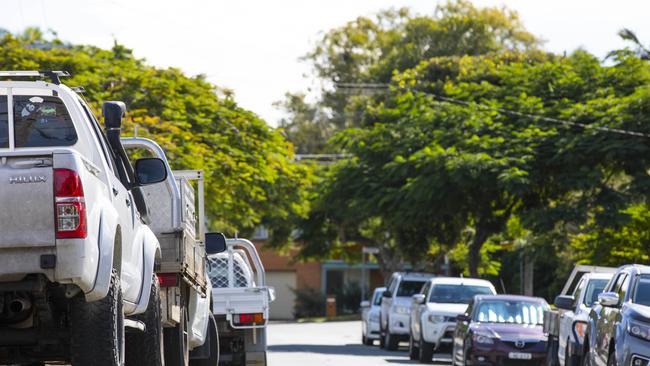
(54,76)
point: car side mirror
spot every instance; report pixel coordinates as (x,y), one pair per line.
(150,171)
(215,243)
(114,113)
(564,302)
(609,299)
(387,294)
(365,304)
(418,298)
(462,318)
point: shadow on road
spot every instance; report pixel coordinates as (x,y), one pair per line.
(347,349)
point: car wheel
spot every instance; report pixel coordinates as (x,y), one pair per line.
(391,342)
(586,359)
(414,351)
(367,341)
(146,348)
(97,328)
(426,352)
(611,360)
(465,356)
(569,359)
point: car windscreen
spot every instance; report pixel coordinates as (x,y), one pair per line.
(409,288)
(377,299)
(642,291)
(4,122)
(41,121)
(457,294)
(510,312)
(594,288)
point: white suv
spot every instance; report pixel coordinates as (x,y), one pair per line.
(396,307)
(434,311)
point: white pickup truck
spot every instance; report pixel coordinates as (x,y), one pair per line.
(240,301)
(76,257)
(567,324)
(189,326)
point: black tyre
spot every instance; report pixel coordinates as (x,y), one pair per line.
(569,358)
(97,328)
(213,360)
(586,359)
(611,360)
(146,348)
(391,343)
(177,343)
(414,350)
(426,352)
(366,341)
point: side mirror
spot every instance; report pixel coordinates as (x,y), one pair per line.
(609,299)
(418,298)
(365,304)
(114,113)
(150,171)
(215,243)
(387,294)
(462,318)
(564,302)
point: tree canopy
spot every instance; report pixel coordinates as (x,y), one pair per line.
(251,178)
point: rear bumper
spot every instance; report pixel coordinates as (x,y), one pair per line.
(71,261)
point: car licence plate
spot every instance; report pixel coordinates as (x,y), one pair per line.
(520,356)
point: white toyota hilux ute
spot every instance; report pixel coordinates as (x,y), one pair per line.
(76,258)
(433,315)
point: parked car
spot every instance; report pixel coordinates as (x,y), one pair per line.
(176,217)
(370,317)
(396,307)
(77,263)
(434,312)
(574,313)
(501,330)
(241,302)
(618,332)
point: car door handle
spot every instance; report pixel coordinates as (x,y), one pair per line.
(128,203)
(115,192)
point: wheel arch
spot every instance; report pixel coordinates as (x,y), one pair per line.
(110,244)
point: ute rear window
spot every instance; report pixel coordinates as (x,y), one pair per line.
(4,122)
(42,121)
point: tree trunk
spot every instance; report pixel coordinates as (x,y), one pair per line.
(474,255)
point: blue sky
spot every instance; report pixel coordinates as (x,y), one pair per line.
(253,46)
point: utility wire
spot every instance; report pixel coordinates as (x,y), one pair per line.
(482,106)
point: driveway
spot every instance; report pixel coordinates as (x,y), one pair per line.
(321,344)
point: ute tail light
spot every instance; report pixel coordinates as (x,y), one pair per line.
(69,205)
(248,319)
(167,279)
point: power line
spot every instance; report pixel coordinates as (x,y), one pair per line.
(375,86)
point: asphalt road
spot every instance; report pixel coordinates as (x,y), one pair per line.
(323,344)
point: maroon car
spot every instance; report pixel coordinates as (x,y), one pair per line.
(501,330)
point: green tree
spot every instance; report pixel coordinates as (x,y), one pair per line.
(371,50)
(251,176)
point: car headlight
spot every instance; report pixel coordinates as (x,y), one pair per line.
(639,330)
(374,317)
(402,310)
(579,330)
(483,338)
(436,318)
